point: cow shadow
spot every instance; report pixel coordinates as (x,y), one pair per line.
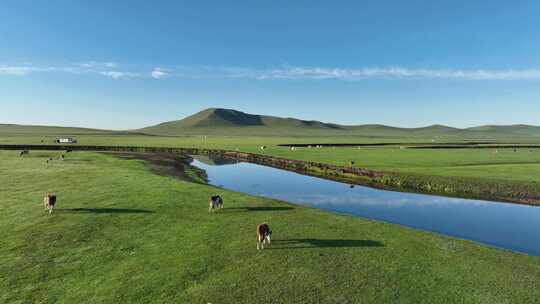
(323,243)
(255,209)
(102,210)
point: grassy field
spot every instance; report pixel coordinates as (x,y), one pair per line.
(124,234)
(522,165)
(485,173)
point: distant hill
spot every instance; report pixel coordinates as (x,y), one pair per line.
(231,122)
(227,122)
(47,130)
(14,129)
(526,130)
(215,121)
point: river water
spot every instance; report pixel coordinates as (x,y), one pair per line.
(511,226)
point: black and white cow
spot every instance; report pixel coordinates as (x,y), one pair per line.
(216,202)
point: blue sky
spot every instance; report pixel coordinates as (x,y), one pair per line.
(129,64)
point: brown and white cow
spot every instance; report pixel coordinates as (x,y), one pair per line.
(216,202)
(264,234)
(49,200)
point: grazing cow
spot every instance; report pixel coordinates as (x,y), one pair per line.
(62,157)
(264,234)
(24,152)
(216,202)
(49,201)
(68,151)
(263,147)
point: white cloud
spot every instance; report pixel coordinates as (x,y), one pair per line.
(119,75)
(15,70)
(159,73)
(115,71)
(95,64)
(382,73)
(109,64)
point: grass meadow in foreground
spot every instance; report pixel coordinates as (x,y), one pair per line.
(124,234)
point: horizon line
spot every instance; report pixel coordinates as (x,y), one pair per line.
(342,125)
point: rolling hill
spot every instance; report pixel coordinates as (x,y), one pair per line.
(48,130)
(526,130)
(15,129)
(215,121)
(231,122)
(227,122)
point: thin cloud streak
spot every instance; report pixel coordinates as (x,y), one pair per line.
(15,70)
(107,69)
(318,73)
(119,75)
(159,73)
(116,71)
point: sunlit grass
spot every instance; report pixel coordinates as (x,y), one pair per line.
(124,234)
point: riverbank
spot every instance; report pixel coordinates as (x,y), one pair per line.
(122,233)
(515,191)
(167,164)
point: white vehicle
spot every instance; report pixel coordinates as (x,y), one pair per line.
(67,140)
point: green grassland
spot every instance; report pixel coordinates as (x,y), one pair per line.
(122,234)
(490,173)
(505,164)
(522,164)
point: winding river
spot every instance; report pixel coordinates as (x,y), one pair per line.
(511,226)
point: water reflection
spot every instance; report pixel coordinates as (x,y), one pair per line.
(505,225)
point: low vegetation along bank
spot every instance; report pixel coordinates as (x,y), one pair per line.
(517,192)
(123,234)
(524,192)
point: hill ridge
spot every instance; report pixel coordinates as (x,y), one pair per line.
(222,121)
(230,122)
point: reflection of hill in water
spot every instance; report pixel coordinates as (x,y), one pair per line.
(214,161)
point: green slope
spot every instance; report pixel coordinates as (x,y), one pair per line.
(510,129)
(48,130)
(235,123)
(231,122)
(227,122)
(122,234)
(56,131)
